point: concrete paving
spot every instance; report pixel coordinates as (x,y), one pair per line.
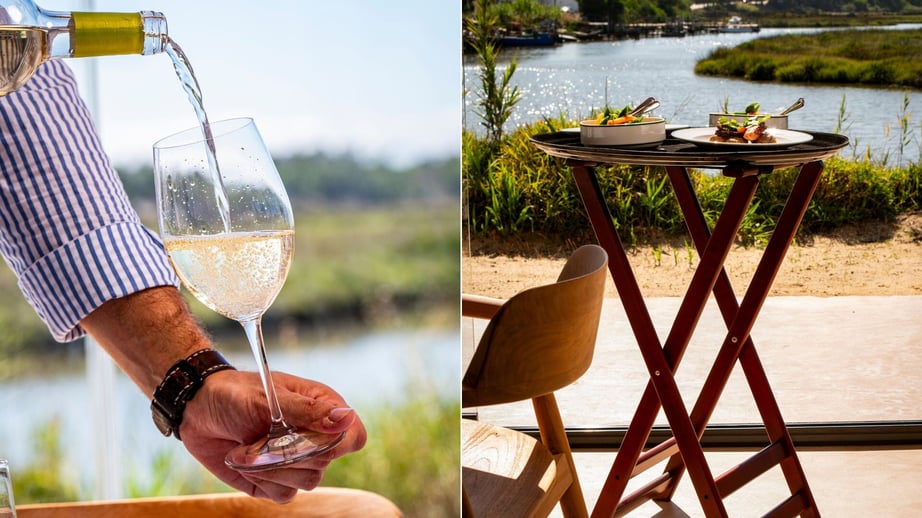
(828,359)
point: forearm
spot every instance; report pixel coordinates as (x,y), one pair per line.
(68,229)
(147,332)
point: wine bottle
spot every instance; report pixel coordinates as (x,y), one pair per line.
(30,35)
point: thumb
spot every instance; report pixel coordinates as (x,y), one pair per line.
(318,416)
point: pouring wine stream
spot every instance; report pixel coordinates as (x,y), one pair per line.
(190,85)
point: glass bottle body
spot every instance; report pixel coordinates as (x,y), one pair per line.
(30,35)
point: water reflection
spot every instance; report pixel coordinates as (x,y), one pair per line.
(573,79)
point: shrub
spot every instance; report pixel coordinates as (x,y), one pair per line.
(544,198)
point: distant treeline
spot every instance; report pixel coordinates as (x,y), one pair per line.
(341,179)
(536,14)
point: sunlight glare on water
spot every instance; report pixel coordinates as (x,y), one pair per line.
(575,78)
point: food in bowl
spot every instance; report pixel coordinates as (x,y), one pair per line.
(620,128)
(652,130)
(753,131)
(610,117)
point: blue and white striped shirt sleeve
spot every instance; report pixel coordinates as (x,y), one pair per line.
(67,228)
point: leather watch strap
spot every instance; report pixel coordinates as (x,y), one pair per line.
(180,384)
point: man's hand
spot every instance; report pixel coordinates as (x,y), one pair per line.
(231,410)
(148,331)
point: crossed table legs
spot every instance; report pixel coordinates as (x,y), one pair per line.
(683,450)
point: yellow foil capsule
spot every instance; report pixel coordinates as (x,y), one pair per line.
(107,34)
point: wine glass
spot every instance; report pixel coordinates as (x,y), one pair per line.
(227,226)
(7,506)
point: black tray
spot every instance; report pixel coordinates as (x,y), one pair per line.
(674,152)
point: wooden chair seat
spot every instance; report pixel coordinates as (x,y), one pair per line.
(511,473)
(319,503)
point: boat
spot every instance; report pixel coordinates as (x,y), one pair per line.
(568,38)
(736,25)
(527,39)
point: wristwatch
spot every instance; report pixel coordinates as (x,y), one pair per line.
(179,385)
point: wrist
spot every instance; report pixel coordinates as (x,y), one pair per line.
(146,332)
(180,384)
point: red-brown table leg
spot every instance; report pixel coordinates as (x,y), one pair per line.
(662,361)
(740,317)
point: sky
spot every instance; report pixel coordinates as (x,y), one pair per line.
(376,78)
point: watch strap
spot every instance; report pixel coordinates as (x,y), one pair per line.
(179,386)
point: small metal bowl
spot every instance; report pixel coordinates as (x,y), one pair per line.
(649,132)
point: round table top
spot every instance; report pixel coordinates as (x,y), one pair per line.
(674,152)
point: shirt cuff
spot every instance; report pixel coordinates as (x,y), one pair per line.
(108,263)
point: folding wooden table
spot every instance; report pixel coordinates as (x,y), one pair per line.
(683,450)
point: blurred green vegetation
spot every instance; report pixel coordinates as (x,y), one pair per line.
(413,456)
(374,243)
(365,266)
(338,180)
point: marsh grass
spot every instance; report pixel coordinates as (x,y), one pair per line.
(412,457)
(642,203)
(352,265)
(857,57)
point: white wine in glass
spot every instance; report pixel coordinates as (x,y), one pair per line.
(228,228)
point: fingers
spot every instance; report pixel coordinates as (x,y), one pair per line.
(313,406)
(282,484)
(279,485)
(308,388)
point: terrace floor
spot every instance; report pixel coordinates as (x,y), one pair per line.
(829,360)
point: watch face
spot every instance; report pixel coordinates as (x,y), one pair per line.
(161,420)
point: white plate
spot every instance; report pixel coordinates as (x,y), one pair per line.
(702,136)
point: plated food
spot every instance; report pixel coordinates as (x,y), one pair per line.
(703,137)
(753,130)
(751,110)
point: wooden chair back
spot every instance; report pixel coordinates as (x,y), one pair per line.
(542,339)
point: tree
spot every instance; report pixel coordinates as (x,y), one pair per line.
(610,11)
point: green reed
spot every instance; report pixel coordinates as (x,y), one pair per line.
(497,95)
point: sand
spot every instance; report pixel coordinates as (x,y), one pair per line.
(867,259)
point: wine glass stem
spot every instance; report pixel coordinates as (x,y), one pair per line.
(253,330)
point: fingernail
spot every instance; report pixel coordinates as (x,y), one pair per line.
(336,415)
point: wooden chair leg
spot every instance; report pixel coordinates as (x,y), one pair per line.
(554,436)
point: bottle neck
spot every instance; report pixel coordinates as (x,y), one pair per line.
(87,34)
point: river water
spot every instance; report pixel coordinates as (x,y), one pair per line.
(573,79)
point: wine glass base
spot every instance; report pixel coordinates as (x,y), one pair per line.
(280,451)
